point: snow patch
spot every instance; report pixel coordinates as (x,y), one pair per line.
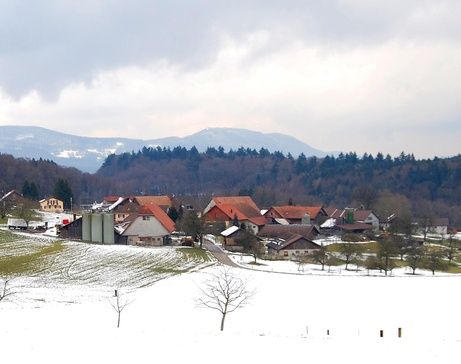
(25,136)
(69,154)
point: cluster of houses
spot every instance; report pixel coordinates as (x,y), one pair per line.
(286,231)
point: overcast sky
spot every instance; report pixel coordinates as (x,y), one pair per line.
(360,75)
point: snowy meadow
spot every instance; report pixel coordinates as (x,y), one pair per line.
(307,318)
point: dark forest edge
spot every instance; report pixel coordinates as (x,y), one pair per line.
(421,186)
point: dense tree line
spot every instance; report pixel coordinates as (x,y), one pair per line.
(401,184)
(37,179)
(387,184)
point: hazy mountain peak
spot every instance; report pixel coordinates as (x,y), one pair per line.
(88,153)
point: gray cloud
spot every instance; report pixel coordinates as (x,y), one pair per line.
(46,45)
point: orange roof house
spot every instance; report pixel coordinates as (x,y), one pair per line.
(148,226)
(242,208)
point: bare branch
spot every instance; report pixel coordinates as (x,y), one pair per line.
(225,293)
(5,290)
(119,303)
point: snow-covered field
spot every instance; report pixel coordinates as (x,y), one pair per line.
(286,321)
(291,267)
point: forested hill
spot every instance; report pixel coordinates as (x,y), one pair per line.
(270,178)
(44,174)
(274,177)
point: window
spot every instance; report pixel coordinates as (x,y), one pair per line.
(146,218)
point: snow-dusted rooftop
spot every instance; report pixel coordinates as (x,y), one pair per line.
(229,231)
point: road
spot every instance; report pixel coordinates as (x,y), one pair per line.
(218,253)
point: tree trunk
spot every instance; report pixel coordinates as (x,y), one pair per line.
(323,266)
(222,321)
(414,270)
(118,320)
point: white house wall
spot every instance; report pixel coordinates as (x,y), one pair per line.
(146,228)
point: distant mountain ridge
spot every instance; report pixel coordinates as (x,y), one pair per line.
(88,153)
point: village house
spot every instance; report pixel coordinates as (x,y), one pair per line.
(295,246)
(286,232)
(296,215)
(149,226)
(11,200)
(52,204)
(440,226)
(122,207)
(350,216)
(232,210)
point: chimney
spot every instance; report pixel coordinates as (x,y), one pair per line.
(306,220)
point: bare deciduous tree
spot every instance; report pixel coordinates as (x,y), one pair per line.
(452,248)
(5,290)
(415,258)
(320,256)
(119,303)
(350,252)
(224,292)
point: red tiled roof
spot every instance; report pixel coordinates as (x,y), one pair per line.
(242,207)
(297,212)
(162,217)
(237,200)
(232,211)
(157,212)
(154,200)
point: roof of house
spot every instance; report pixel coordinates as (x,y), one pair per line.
(287,231)
(242,207)
(281,221)
(151,210)
(237,201)
(49,198)
(443,221)
(294,239)
(115,203)
(362,215)
(288,243)
(111,199)
(297,212)
(228,232)
(162,217)
(334,212)
(329,223)
(154,200)
(359,215)
(10,194)
(355,226)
